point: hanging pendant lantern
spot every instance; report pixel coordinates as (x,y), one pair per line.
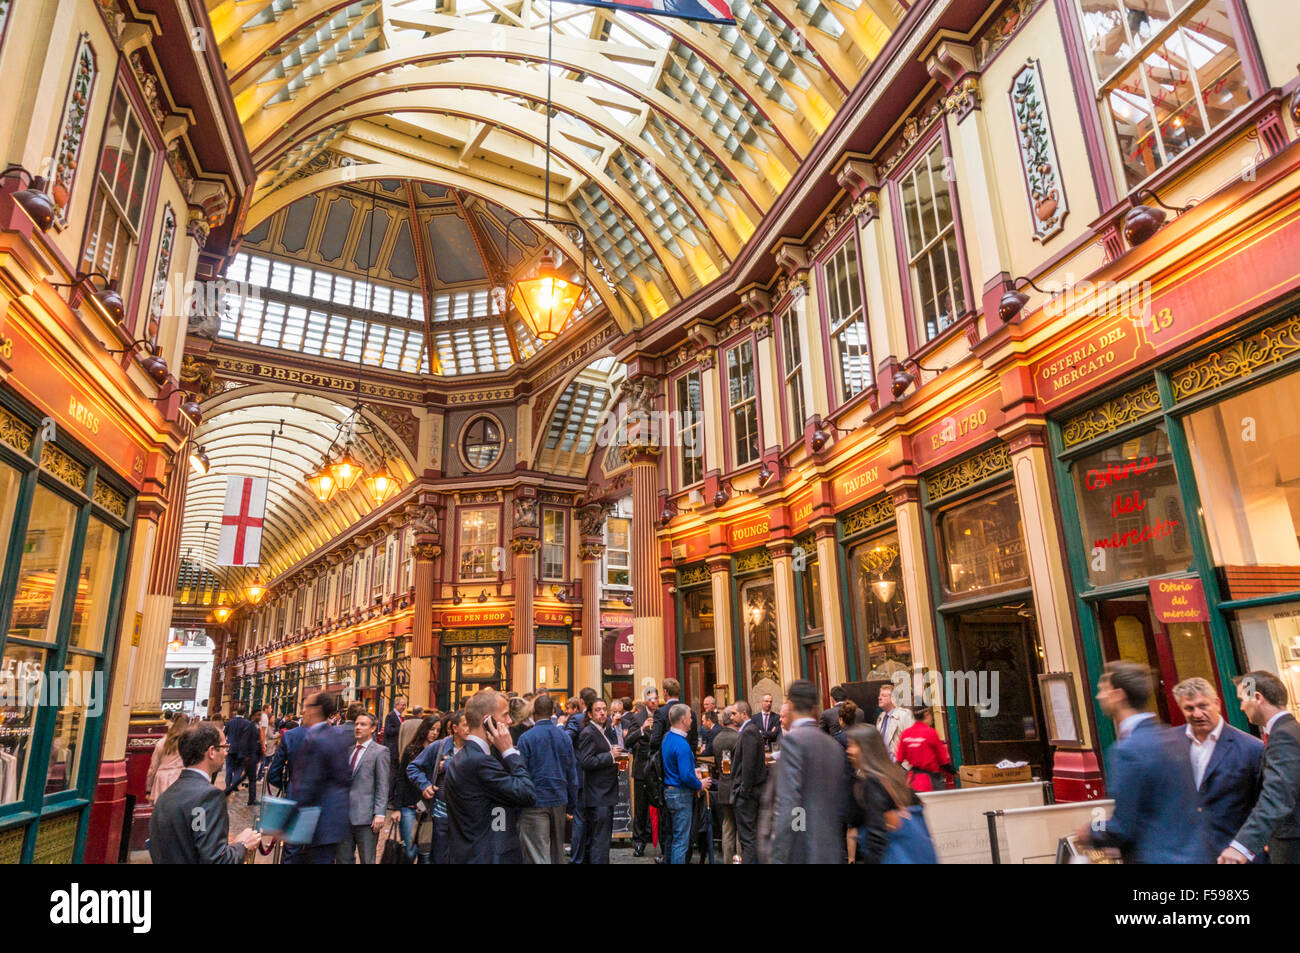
(322,485)
(380,484)
(346,470)
(255,591)
(547,299)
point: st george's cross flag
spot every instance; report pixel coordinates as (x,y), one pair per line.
(710,11)
(241,522)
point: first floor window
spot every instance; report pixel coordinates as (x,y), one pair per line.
(742,403)
(690,411)
(478,544)
(848,322)
(937,295)
(121,182)
(618,551)
(792,354)
(553,545)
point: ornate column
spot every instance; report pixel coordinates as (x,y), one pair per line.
(1076,774)
(591,550)
(787,625)
(724,659)
(643,451)
(910,518)
(828,562)
(525,545)
(422,690)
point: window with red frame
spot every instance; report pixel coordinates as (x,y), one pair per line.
(796,409)
(1167,74)
(121,183)
(742,403)
(846,318)
(934,267)
(690,414)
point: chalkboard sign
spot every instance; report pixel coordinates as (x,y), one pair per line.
(623,809)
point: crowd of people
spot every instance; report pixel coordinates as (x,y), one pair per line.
(521,779)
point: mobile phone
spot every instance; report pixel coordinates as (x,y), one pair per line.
(490,725)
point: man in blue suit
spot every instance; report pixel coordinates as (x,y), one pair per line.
(1225,763)
(1149,774)
(244,753)
(322,777)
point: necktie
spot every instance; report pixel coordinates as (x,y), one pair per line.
(356,753)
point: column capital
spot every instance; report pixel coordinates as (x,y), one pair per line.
(781,548)
(427,552)
(591,552)
(719,563)
(642,453)
(525,545)
(1024,433)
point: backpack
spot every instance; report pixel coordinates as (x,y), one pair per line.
(654,780)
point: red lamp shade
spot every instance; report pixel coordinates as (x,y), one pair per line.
(221,613)
(546,300)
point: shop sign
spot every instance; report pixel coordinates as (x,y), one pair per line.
(801,508)
(860,482)
(76,412)
(1179,600)
(616,654)
(963,428)
(553,617)
(501,615)
(1211,296)
(748,532)
(615,620)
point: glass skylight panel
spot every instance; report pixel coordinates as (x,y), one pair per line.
(320,286)
(259,271)
(333,346)
(238,269)
(272,324)
(401,303)
(342,290)
(293,328)
(383,299)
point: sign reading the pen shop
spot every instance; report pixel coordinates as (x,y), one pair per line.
(748,532)
(1179,600)
(458,618)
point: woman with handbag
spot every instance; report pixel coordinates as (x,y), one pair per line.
(884,808)
(406,796)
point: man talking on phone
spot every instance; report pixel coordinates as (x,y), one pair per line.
(487,785)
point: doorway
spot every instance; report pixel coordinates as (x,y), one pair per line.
(1172,652)
(994,653)
(472,668)
(701,676)
(816,654)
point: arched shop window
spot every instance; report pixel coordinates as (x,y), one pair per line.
(883,642)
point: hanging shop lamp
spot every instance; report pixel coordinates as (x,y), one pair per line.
(346,470)
(322,484)
(221,614)
(380,483)
(546,300)
(255,591)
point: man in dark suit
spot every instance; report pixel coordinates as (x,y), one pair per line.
(708,733)
(638,727)
(808,791)
(1225,763)
(393,728)
(368,794)
(830,718)
(768,722)
(485,791)
(321,778)
(672,691)
(1149,773)
(724,747)
(189,824)
(598,754)
(748,782)
(244,753)
(573,725)
(1274,821)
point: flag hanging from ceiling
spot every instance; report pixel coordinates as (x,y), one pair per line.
(710,11)
(241,522)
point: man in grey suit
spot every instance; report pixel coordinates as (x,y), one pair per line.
(368,796)
(1274,822)
(724,743)
(809,790)
(189,824)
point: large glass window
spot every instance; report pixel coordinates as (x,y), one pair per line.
(1268,638)
(120,185)
(792,354)
(811,582)
(553,545)
(983,544)
(618,551)
(552,668)
(481,443)
(879,608)
(1130,511)
(478,543)
(697,619)
(690,411)
(759,637)
(94,586)
(21,673)
(937,294)
(1168,72)
(742,403)
(1246,454)
(43,571)
(75,706)
(848,322)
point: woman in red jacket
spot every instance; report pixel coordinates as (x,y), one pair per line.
(923,753)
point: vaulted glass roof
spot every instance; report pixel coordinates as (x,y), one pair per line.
(669,138)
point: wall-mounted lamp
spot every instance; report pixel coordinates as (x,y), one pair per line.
(107,299)
(1142,221)
(904,379)
(724,493)
(627,599)
(456,597)
(34,200)
(765,474)
(199,462)
(483,596)
(821,433)
(667,513)
(1014,300)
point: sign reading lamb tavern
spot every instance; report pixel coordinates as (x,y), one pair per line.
(457,618)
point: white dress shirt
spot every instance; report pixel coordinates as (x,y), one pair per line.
(357,753)
(1203,751)
(487,748)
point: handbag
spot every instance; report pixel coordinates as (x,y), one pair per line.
(394,849)
(909,842)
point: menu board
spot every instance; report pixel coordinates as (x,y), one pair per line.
(623,809)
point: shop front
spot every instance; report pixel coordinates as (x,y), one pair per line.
(475,653)
(755,623)
(695,623)
(1185,486)
(616,654)
(553,638)
(880,636)
(989,644)
(64,523)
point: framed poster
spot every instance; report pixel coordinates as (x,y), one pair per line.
(1063,727)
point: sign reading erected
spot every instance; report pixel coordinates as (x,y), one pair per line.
(1179,600)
